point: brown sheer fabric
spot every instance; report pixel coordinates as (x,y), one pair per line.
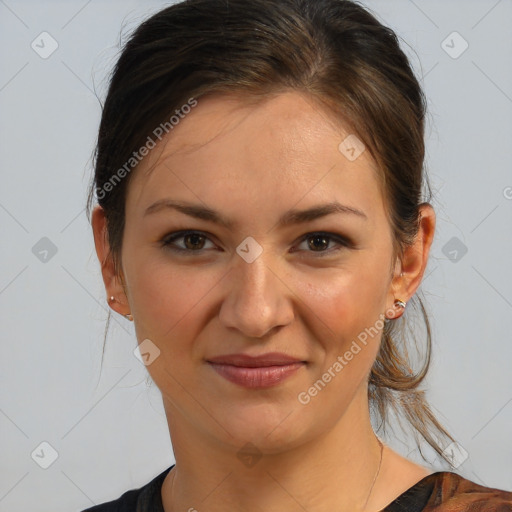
(445,491)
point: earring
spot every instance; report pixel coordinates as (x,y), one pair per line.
(128,315)
(400,303)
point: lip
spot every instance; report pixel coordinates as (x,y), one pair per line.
(252,372)
(268,359)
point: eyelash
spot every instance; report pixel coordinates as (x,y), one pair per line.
(172,237)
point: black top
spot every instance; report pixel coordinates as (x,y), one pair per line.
(442,491)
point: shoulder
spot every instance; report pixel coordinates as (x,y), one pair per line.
(454,493)
(134,499)
(418,489)
(125,503)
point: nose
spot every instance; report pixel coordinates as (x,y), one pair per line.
(257,300)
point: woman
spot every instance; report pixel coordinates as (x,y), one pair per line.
(260,219)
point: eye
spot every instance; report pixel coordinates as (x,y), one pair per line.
(193,241)
(319,242)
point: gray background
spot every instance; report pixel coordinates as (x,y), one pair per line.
(109,429)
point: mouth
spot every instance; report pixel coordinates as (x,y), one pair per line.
(252,372)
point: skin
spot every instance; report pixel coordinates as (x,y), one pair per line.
(252,162)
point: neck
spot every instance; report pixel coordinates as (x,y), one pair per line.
(333,470)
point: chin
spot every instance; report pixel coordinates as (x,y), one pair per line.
(271,429)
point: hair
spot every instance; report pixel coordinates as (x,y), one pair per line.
(336,52)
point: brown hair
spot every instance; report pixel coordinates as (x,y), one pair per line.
(338,53)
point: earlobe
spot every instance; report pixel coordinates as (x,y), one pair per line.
(111,300)
(113,283)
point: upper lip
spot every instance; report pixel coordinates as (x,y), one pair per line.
(245,360)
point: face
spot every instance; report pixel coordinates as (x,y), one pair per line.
(262,279)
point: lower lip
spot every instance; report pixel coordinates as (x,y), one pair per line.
(261,377)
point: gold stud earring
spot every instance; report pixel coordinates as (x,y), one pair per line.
(400,303)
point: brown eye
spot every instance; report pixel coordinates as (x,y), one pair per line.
(190,242)
(319,243)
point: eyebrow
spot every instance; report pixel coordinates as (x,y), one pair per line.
(289,218)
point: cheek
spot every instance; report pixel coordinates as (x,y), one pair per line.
(347,300)
(345,315)
(167,299)
(169,304)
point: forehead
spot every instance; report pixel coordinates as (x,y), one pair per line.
(285,147)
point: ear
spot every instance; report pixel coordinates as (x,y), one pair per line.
(114,284)
(414,261)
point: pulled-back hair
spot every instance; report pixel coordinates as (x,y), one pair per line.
(339,54)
